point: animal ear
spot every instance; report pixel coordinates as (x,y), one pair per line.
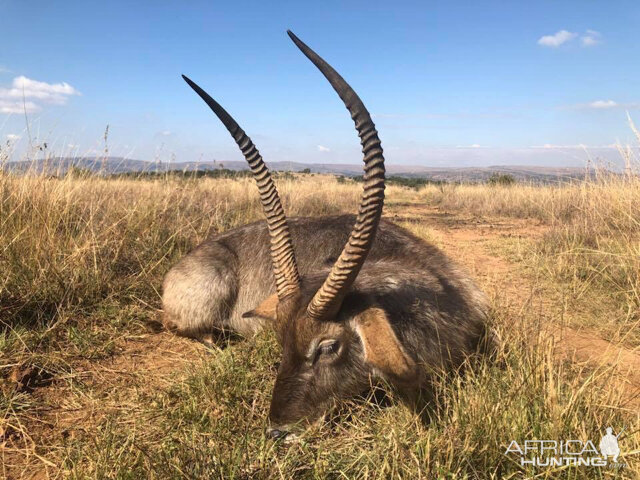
(266,309)
(382,349)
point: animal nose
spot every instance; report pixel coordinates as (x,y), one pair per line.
(276,434)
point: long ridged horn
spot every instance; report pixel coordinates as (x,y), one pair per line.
(283,257)
(328,298)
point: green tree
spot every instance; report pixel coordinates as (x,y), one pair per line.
(501,179)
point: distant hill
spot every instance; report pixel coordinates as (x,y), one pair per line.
(114,165)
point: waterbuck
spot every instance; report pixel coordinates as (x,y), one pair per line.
(390,306)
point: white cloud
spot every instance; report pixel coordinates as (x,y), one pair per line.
(603,104)
(4,69)
(591,38)
(557,39)
(322,148)
(13,99)
(550,146)
(56,93)
(473,145)
(12,137)
(17,107)
(72,145)
(165,133)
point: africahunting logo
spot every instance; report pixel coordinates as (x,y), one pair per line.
(558,453)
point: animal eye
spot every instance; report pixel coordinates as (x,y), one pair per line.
(326,350)
(328,347)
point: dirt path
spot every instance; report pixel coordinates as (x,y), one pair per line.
(103,388)
(467,239)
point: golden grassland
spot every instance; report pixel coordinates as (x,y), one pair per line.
(592,244)
(90,388)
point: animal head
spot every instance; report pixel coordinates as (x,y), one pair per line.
(333,339)
(329,357)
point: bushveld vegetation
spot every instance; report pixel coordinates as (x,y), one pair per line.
(411,182)
(503,179)
(179,174)
(90,387)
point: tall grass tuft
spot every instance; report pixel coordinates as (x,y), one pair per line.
(70,243)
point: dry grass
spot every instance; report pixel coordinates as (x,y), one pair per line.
(72,243)
(592,247)
(82,260)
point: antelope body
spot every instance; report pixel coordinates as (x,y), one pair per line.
(228,274)
(389,306)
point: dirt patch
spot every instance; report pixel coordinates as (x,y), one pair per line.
(74,405)
(26,378)
(466,226)
(584,347)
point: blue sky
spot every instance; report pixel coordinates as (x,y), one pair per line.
(448,83)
